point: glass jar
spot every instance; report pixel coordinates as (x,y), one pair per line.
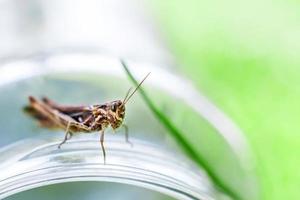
(29,154)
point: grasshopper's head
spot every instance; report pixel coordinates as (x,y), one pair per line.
(118,107)
(115,113)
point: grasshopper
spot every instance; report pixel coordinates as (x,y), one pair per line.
(76,119)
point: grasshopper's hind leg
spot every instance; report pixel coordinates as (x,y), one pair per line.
(102,145)
(70,134)
(66,135)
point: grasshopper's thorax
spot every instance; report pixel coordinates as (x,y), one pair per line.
(111,113)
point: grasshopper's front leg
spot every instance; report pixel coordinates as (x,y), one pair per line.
(102,145)
(127,135)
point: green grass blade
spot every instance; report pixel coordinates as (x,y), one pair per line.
(184,144)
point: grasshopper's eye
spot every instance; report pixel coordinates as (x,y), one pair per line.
(114,108)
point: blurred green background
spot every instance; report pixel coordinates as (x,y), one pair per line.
(244,55)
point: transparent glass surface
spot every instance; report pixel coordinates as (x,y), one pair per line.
(90,190)
(154,166)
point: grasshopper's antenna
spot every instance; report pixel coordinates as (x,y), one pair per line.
(139,85)
(127,94)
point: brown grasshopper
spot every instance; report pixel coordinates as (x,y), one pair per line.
(87,119)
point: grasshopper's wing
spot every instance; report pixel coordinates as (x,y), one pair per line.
(52,118)
(43,120)
(68,110)
(81,114)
